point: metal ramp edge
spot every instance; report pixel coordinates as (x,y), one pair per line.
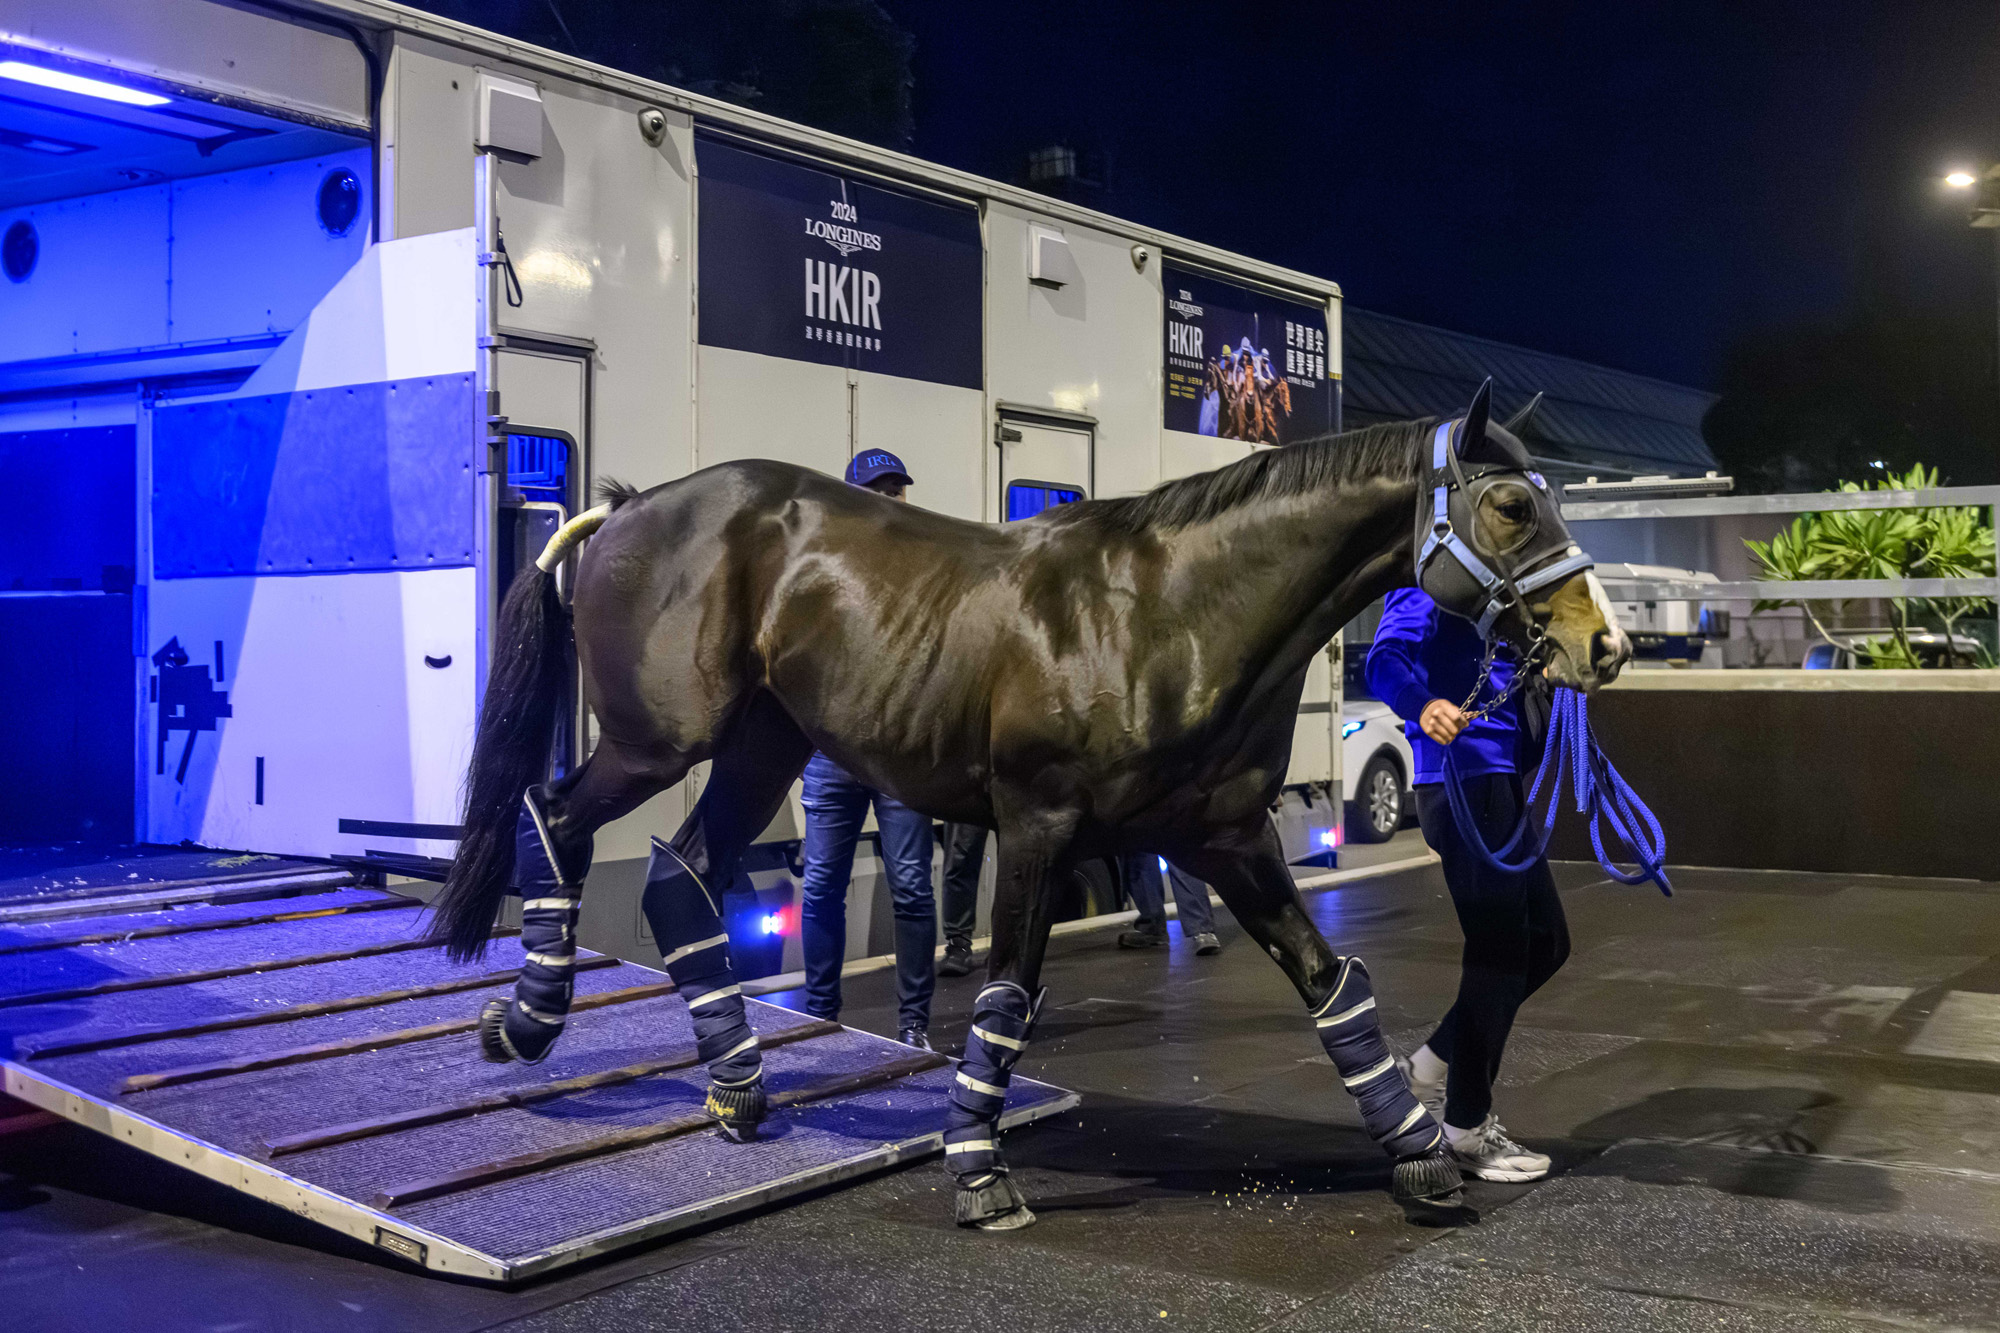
(251,1177)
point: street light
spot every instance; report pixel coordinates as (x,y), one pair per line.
(1984,187)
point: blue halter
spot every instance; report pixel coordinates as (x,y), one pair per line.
(1599,790)
(1498,591)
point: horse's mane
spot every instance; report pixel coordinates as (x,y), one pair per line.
(1387,451)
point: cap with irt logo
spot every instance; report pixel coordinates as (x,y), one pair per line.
(873,464)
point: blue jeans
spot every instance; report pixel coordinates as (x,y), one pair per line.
(1142,881)
(836,806)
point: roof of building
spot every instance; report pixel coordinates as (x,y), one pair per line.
(1591,419)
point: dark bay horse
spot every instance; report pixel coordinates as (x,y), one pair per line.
(1109,676)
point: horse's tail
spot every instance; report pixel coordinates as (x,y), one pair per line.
(510,751)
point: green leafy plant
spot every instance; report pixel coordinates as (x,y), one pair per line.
(1951,542)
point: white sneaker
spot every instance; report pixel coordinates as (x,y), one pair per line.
(1430,1094)
(1487,1152)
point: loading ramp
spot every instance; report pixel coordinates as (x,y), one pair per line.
(307,1048)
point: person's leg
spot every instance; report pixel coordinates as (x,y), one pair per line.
(906,853)
(964,856)
(1548,928)
(835,806)
(1191,898)
(1141,873)
(1434,820)
(1428,1067)
(1493,913)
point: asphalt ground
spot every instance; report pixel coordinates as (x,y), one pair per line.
(1774,1103)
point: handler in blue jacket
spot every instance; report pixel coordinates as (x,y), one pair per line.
(1422,665)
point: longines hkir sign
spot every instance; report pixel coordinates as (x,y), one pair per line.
(807,264)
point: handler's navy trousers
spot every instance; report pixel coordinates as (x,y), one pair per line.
(1515,939)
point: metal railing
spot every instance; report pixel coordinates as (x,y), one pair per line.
(1796,590)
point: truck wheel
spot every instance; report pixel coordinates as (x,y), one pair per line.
(1378,802)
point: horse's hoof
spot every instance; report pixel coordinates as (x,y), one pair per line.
(1447,1210)
(493,1033)
(737,1111)
(1014,1221)
(994,1204)
(530,1042)
(1431,1191)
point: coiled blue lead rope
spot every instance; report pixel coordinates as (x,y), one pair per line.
(1600,794)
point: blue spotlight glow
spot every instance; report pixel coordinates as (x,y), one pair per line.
(1329,837)
(63,81)
(773,923)
(1349,728)
(1163,865)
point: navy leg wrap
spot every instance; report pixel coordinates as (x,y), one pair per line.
(1002,1019)
(1351,1032)
(687,925)
(526,1029)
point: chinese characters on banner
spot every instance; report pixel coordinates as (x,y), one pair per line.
(804,263)
(1244,365)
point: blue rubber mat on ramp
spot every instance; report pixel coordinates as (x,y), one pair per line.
(260,1078)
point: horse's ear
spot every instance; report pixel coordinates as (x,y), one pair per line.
(1519,421)
(1472,446)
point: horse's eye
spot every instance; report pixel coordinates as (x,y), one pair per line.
(1514,512)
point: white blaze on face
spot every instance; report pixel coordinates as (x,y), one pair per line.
(1602,601)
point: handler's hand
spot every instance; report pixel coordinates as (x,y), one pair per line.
(1441,720)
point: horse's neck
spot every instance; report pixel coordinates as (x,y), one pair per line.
(1272,582)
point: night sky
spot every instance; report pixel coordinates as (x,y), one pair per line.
(1637,184)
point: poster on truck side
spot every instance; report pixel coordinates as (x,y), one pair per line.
(1243,364)
(804,262)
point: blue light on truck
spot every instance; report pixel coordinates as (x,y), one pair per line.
(63,81)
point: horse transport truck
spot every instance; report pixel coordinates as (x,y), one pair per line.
(318,317)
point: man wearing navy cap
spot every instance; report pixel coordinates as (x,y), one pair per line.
(836,806)
(880,470)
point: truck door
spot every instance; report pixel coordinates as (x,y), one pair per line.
(1043,462)
(544,392)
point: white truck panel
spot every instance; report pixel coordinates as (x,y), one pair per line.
(1090,347)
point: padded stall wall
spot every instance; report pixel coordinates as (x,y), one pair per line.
(312,625)
(236,255)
